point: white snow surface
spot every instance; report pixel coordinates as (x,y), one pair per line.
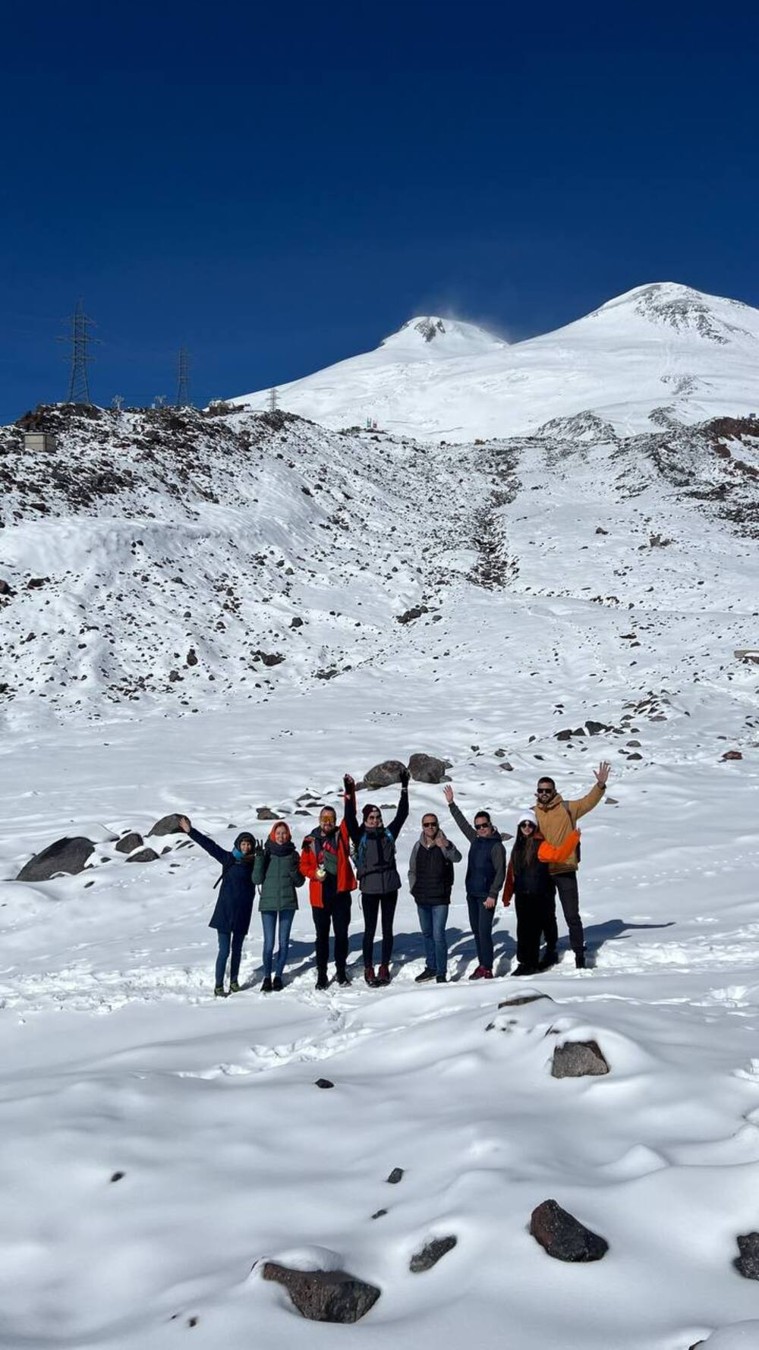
(562,579)
(659,345)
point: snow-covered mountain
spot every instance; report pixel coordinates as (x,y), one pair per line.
(658,346)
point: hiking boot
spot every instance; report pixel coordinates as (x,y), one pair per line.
(219,991)
(486,973)
(580,960)
(277,984)
(478,974)
(234,987)
(321,980)
(426,974)
(441,979)
(383,975)
(343,979)
(551,958)
(370,977)
(522,969)
(266,985)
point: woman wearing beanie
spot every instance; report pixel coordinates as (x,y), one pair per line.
(277,872)
(378,876)
(486,869)
(231,915)
(529,880)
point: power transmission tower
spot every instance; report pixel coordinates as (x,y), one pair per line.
(272,400)
(80,339)
(183,379)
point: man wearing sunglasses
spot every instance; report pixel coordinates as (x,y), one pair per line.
(430,876)
(556,820)
(485,873)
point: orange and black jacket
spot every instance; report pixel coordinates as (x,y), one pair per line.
(547,853)
(310,859)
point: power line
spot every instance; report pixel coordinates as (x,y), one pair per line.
(80,340)
(183,379)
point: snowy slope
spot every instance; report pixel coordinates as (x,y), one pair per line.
(661,345)
(582,596)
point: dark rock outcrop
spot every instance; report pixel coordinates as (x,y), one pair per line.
(747,1264)
(382,775)
(395,1176)
(167,825)
(431,1253)
(563,1236)
(143,855)
(65,855)
(577,1059)
(128,842)
(427,768)
(324,1295)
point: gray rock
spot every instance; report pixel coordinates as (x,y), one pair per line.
(395,1176)
(520,999)
(323,1083)
(167,825)
(382,775)
(747,1264)
(563,1236)
(428,768)
(66,855)
(266,813)
(143,855)
(577,1059)
(324,1295)
(430,1254)
(128,842)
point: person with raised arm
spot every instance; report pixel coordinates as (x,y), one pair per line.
(556,819)
(325,859)
(485,873)
(277,872)
(430,880)
(234,906)
(378,876)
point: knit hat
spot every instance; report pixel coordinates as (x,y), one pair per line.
(367,808)
(528,815)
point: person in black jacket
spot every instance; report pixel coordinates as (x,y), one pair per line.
(529,880)
(231,915)
(377,876)
(430,878)
(485,873)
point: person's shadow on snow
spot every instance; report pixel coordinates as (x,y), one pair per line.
(596,934)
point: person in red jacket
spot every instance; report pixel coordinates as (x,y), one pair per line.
(325,860)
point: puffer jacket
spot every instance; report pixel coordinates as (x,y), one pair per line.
(277,872)
(537,877)
(234,905)
(558,818)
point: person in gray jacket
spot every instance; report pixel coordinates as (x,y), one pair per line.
(430,879)
(485,875)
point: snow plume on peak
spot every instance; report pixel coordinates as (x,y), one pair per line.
(428,335)
(686,310)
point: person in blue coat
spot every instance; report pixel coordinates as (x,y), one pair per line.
(234,906)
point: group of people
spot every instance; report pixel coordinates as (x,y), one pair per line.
(337,859)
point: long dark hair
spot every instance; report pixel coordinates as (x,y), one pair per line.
(524,854)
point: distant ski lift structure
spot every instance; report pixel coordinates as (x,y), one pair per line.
(272,403)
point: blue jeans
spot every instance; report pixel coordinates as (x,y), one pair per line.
(432,921)
(229,941)
(269,920)
(481,924)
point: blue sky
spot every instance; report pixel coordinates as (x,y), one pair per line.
(276,187)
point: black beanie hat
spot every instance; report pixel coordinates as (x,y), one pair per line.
(367,808)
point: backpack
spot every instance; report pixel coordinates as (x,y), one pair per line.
(361,850)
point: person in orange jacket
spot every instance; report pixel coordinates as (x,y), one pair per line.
(325,860)
(556,819)
(529,881)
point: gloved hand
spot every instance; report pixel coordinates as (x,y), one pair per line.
(404,778)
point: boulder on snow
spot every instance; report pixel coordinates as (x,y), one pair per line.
(382,775)
(428,768)
(167,825)
(143,855)
(5,587)
(65,855)
(431,1253)
(563,1236)
(129,842)
(747,1264)
(731,754)
(324,1295)
(577,1059)
(266,813)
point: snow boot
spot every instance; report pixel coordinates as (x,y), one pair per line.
(321,980)
(370,977)
(219,991)
(441,979)
(525,970)
(486,973)
(266,985)
(234,987)
(478,974)
(426,974)
(343,979)
(277,984)
(551,958)
(580,960)
(383,975)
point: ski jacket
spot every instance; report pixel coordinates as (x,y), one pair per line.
(430,872)
(277,872)
(537,877)
(344,879)
(558,818)
(234,905)
(375,849)
(486,864)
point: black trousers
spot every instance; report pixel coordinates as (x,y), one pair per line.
(335,914)
(536,916)
(372,904)
(566,885)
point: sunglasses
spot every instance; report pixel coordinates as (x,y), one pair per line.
(544,792)
(429,824)
(482,825)
(526,825)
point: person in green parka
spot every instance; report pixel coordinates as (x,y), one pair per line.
(277,872)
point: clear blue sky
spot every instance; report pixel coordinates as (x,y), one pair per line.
(278,186)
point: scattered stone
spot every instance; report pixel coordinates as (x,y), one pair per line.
(611,801)
(379,1214)
(191,658)
(5,587)
(117,1176)
(508,768)
(266,813)
(128,842)
(600,530)
(596,728)
(34,583)
(563,1236)
(324,1083)
(395,1176)
(324,1295)
(578,1059)
(143,855)
(66,855)
(295,622)
(382,775)
(519,999)
(267,658)
(747,1264)
(167,825)
(430,1254)
(732,754)
(415,613)
(428,768)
